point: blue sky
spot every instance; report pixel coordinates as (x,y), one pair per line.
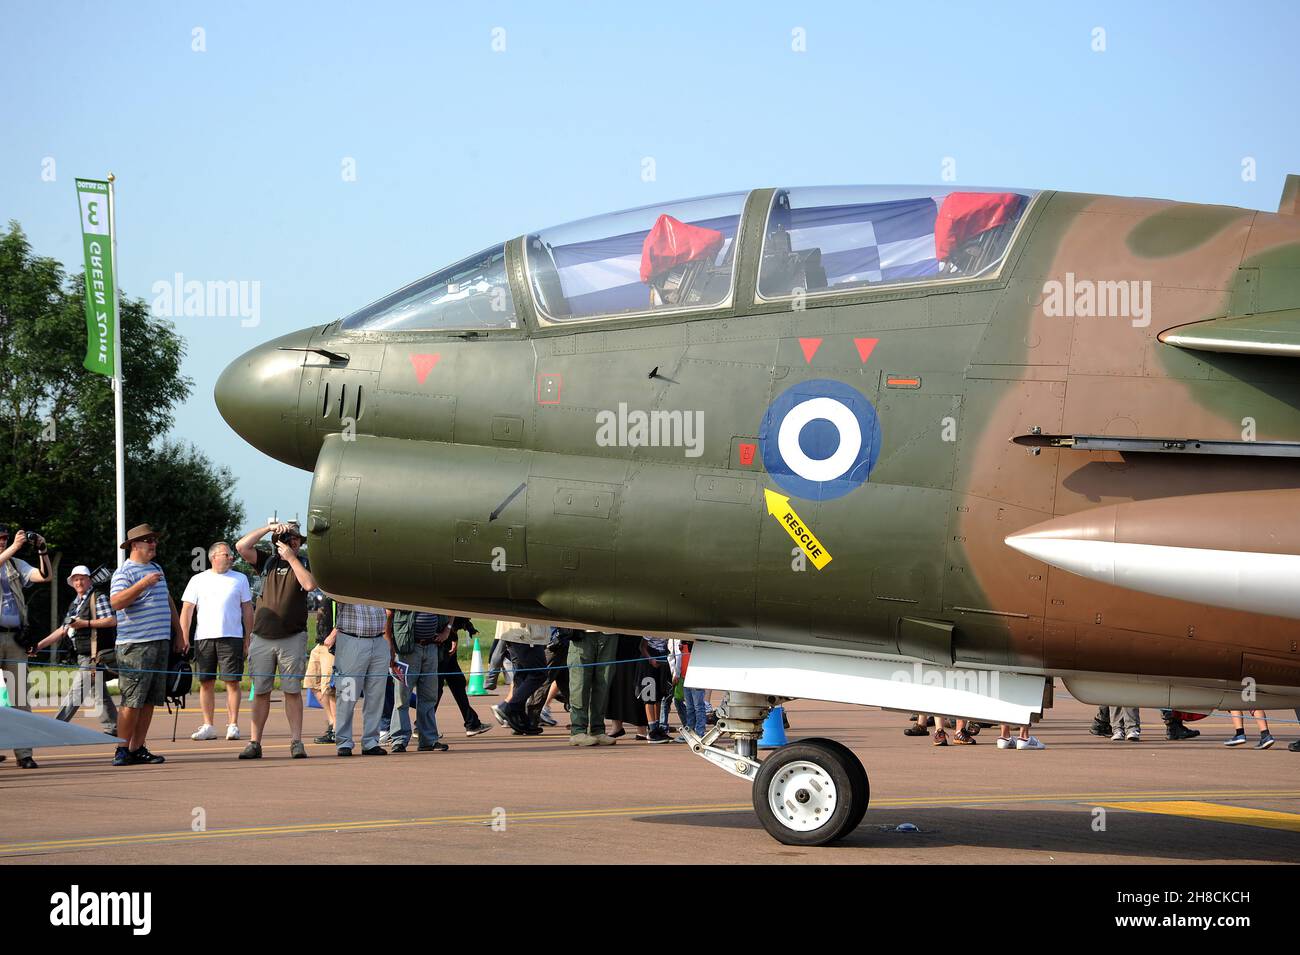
(230,160)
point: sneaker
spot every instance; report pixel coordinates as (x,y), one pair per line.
(546,717)
(345,752)
(963,738)
(28,763)
(232,731)
(605,740)
(1118,737)
(476,730)
(385,738)
(1006,742)
(1236,739)
(252,751)
(1181,732)
(435,747)
(122,757)
(916,730)
(374,751)
(326,737)
(1295,746)
(206,731)
(657,735)
(498,715)
(1133,736)
(940,738)
(143,755)
(1099,729)
(582,739)
(1032,743)
(297,750)
(617,733)
(397,748)
(1265,741)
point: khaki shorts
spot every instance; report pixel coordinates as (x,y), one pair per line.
(320,666)
(285,656)
(140,675)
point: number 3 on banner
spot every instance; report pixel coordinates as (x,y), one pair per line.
(94,214)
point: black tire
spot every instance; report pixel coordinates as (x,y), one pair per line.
(831,761)
(858,777)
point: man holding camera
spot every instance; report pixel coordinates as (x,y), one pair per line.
(91,625)
(15,574)
(279,644)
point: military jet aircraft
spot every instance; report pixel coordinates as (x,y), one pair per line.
(922,448)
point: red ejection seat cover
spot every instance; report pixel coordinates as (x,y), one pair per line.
(967,214)
(672,242)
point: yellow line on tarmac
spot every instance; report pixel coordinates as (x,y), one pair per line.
(1081,797)
(1220,813)
(1212,812)
(92,842)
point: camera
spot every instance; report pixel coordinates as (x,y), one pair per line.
(292,530)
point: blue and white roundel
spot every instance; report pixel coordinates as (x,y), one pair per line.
(820,439)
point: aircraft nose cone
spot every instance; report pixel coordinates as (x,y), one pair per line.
(257,394)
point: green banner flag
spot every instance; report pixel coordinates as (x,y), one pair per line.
(101,300)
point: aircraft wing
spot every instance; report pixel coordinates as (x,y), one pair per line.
(22,730)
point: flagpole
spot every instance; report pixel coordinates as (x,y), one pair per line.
(119,443)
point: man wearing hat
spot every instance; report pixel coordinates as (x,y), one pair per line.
(15,574)
(91,625)
(146,620)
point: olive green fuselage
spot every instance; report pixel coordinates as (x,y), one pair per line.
(470,473)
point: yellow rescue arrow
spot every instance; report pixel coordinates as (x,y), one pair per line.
(779,507)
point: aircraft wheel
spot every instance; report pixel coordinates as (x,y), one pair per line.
(861,785)
(806,793)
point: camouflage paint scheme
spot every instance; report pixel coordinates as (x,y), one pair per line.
(646,540)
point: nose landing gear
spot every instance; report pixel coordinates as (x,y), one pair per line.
(808,793)
(811,792)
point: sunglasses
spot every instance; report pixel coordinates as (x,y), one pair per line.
(145,540)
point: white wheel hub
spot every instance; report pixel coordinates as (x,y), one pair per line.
(803,796)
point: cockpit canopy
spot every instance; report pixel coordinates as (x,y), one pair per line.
(595,266)
(681,256)
(472,293)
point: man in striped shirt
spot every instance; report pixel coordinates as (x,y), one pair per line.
(146,620)
(362,641)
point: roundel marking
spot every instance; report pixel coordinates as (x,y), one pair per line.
(820,439)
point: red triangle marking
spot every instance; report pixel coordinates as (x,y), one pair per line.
(809,346)
(865,347)
(423,364)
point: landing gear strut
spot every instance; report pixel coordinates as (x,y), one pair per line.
(807,793)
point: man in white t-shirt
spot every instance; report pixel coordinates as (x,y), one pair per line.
(217,620)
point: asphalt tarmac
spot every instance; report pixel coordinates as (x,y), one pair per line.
(504,798)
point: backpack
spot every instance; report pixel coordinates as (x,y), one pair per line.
(180,680)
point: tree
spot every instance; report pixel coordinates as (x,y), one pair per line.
(56,428)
